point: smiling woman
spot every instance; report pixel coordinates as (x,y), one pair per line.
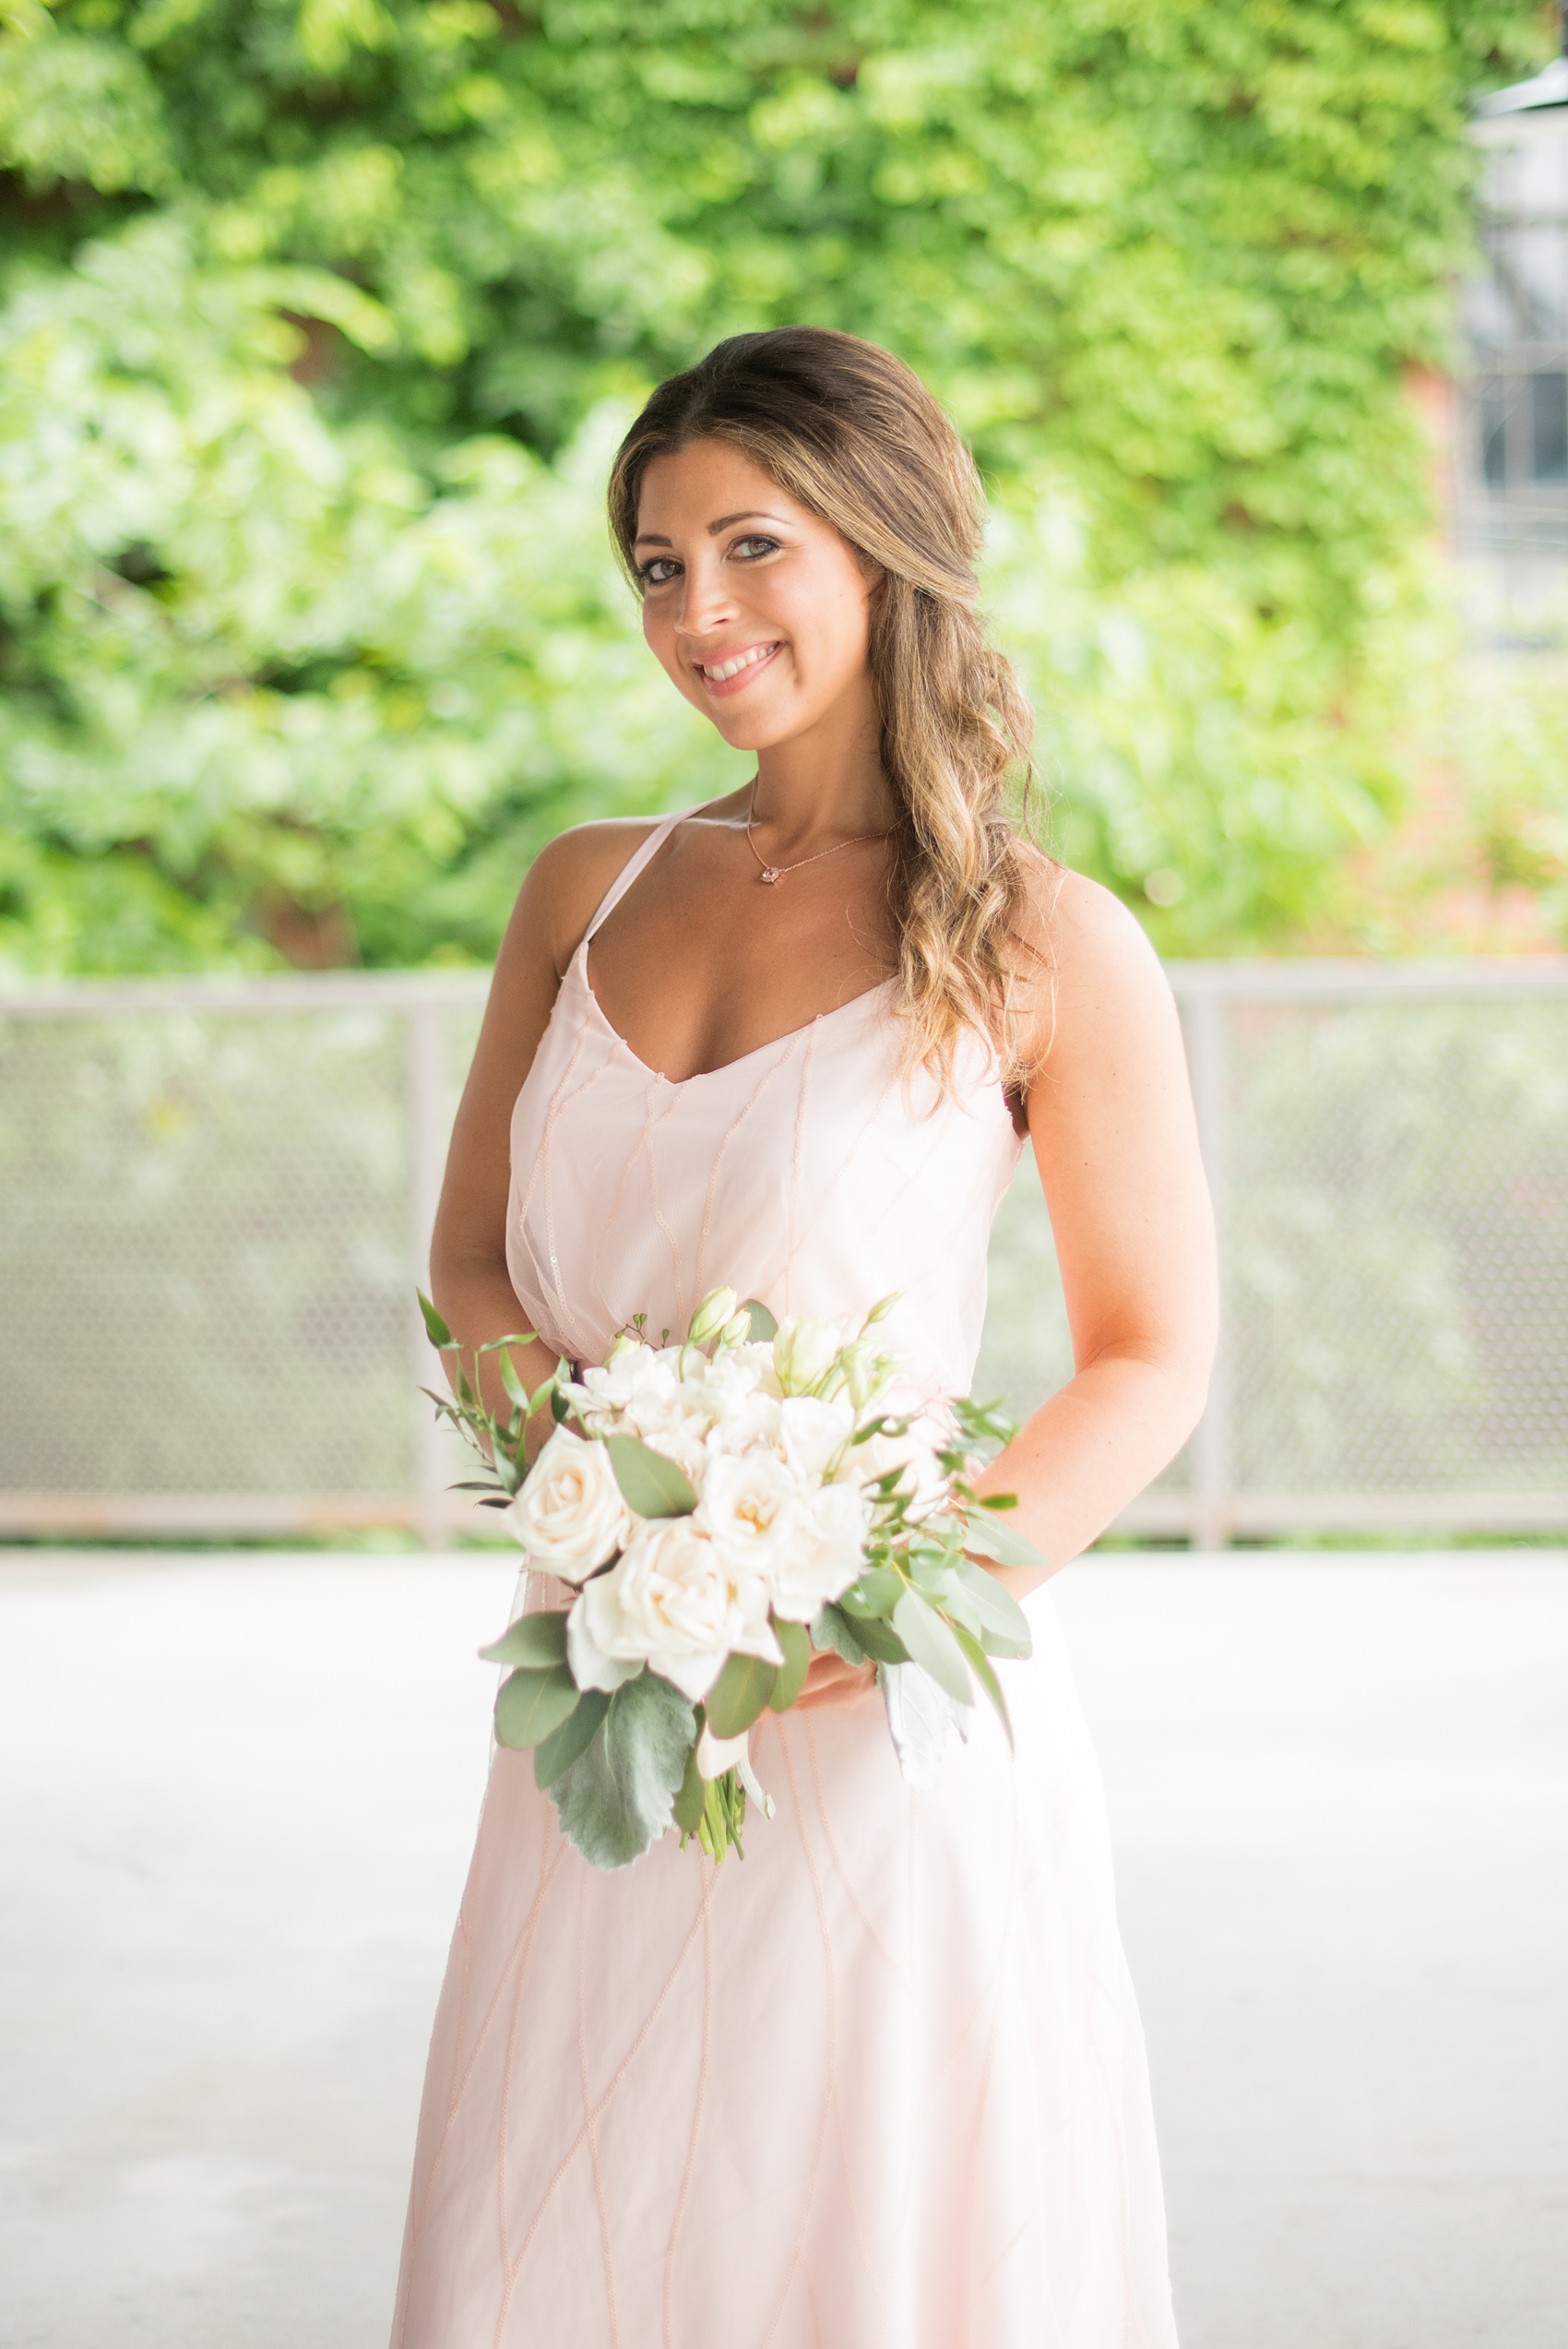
(837,571)
(882,2086)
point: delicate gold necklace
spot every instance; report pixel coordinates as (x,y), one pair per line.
(771,872)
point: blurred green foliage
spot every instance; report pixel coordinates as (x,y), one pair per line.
(318,320)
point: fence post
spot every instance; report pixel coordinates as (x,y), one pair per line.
(1208,1011)
(424,1102)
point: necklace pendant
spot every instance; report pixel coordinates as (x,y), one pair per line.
(771,872)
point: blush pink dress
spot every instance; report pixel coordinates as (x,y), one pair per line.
(880,2084)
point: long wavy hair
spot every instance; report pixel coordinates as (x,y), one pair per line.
(853,434)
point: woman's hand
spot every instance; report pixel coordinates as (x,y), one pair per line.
(831,1681)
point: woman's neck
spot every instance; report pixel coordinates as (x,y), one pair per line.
(826,782)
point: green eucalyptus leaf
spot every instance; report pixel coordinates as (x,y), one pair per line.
(620,1793)
(985,1672)
(880,1639)
(740,1694)
(796,1642)
(876,1592)
(536,1641)
(651,1485)
(935,1577)
(435,1328)
(961,1608)
(1000,1541)
(562,1748)
(1005,1627)
(930,1643)
(532,1705)
(764,1326)
(984,1423)
(510,1379)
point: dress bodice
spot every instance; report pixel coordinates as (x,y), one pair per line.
(809,1173)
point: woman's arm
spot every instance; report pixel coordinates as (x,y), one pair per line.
(1115,1140)
(1110,1118)
(468,1281)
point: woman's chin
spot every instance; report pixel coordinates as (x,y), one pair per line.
(754,730)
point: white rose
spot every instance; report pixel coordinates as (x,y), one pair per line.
(658,1406)
(748,1423)
(635,1379)
(826,1554)
(682,1442)
(802,1352)
(751,1507)
(671,1603)
(813,1433)
(733,1370)
(569,1515)
(751,1360)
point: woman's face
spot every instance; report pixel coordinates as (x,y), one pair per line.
(757,608)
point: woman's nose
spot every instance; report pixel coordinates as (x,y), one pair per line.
(706,604)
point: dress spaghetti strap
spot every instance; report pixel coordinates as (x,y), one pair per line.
(636,863)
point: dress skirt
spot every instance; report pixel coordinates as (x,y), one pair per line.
(880,2084)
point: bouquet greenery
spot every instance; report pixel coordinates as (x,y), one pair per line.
(725,1506)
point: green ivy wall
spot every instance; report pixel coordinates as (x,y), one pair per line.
(317,323)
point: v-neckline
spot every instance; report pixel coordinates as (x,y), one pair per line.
(701,1076)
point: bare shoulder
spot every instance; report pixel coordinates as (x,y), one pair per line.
(1096,972)
(570,876)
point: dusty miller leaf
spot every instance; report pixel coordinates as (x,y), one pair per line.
(620,1794)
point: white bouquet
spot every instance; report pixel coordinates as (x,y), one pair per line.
(724,1506)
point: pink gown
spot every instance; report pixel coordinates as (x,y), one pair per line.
(881,2084)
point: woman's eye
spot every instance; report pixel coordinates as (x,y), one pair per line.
(656,572)
(749,549)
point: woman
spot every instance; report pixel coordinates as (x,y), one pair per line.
(880,2085)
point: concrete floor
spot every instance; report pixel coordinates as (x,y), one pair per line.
(239,1793)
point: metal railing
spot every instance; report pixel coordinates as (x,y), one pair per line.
(217,1196)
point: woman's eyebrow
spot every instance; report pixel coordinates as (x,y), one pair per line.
(725,520)
(656,538)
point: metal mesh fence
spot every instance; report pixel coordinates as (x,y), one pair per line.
(1388,1149)
(217,1198)
(215,1208)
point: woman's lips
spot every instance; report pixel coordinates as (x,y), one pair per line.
(754,660)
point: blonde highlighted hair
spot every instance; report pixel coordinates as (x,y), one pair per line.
(853,434)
